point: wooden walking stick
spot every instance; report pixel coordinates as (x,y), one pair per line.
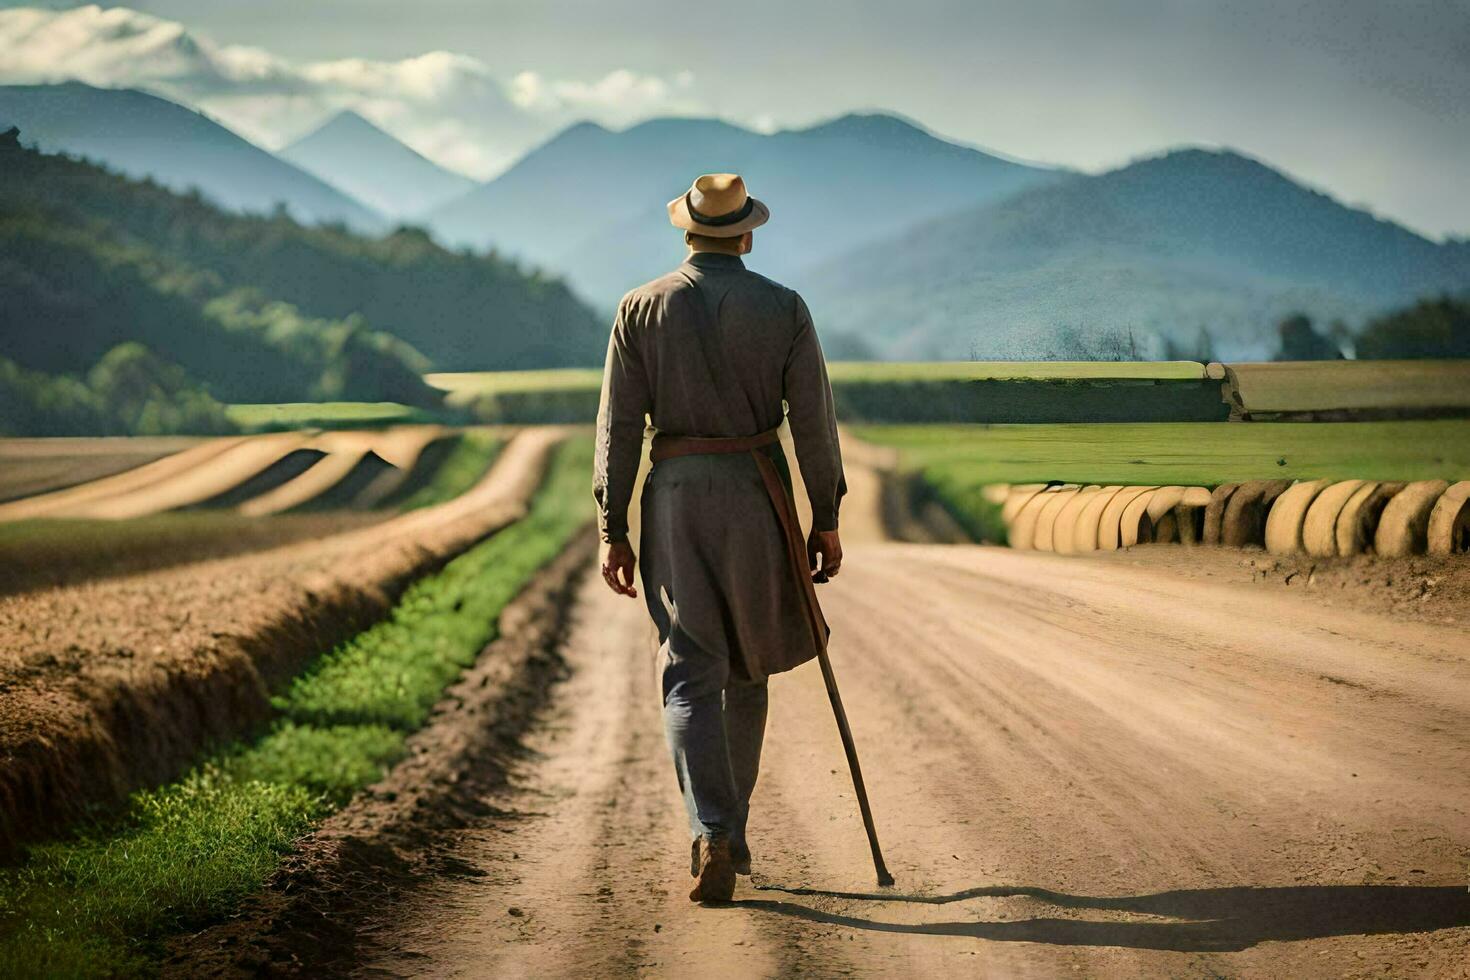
(848,746)
(796,553)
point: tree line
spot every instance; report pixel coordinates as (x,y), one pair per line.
(1431,328)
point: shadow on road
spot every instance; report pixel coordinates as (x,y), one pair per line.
(1209,919)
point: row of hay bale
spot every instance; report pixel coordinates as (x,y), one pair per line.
(256,475)
(1316,517)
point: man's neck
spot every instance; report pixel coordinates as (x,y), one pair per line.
(706,259)
(732,250)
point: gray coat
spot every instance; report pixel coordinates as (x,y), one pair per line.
(714,566)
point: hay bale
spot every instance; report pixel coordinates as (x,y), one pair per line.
(1022,532)
(1449,522)
(1163,528)
(1244,523)
(1359,518)
(1109,524)
(1404,527)
(1287,515)
(1184,523)
(1046,519)
(1064,528)
(1319,527)
(1017,498)
(1135,526)
(1214,518)
(1084,528)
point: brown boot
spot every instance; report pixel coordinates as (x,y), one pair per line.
(716,879)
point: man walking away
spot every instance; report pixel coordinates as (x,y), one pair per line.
(709,353)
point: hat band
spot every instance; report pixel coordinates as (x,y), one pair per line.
(718,220)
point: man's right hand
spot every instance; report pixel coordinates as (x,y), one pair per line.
(824,554)
(617,569)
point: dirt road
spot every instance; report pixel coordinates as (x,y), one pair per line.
(1078,768)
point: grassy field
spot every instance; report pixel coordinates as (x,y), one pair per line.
(954,462)
(1187,453)
(466,385)
(279,417)
(879,391)
(881,371)
(98,903)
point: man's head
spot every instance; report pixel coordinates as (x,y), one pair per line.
(717,215)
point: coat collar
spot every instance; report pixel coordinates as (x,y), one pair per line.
(714,260)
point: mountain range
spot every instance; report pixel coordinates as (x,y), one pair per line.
(142,135)
(1152,256)
(906,245)
(590,202)
(357,157)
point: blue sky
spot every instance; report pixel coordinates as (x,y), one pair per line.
(1364,99)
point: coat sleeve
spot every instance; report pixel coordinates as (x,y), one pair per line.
(626,399)
(813,420)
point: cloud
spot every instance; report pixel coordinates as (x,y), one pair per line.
(451,107)
(619,94)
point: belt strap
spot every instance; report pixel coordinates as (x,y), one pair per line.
(671,446)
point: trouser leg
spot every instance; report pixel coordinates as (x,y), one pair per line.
(745,731)
(694,723)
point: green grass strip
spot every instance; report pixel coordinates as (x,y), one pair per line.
(276,417)
(99,904)
(470,459)
(392,674)
(1185,453)
(957,461)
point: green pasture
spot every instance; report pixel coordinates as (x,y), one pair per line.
(953,463)
(464,385)
(278,417)
(1194,454)
(99,902)
(881,391)
(887,371)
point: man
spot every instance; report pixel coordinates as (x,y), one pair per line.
(708,353)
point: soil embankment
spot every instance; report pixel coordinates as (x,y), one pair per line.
(110,685)
(50,554)
(33,466)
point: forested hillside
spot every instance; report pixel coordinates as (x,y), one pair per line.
(462,311)
(254,309)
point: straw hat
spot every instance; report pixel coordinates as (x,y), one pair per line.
(718,206)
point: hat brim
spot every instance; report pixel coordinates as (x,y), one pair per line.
(679,217)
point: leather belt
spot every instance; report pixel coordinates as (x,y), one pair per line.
(667,446)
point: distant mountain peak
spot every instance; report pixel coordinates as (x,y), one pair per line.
(349,120)
(355,154)
(869,124)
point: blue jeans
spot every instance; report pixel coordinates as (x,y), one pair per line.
(715,721)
